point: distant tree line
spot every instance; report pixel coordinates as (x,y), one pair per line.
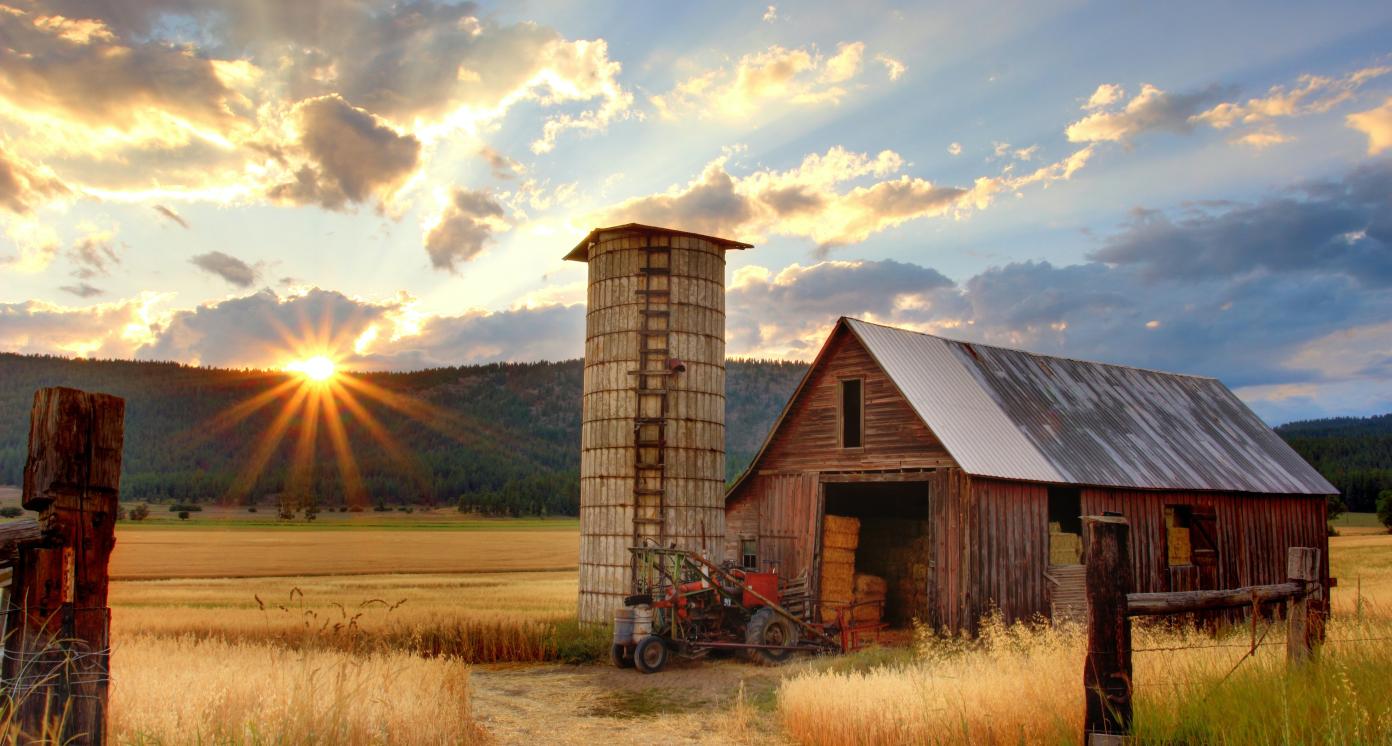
(1353,453)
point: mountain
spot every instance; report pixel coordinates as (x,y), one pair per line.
(501,438)
(1354,453)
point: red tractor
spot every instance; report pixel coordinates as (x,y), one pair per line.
(685,605)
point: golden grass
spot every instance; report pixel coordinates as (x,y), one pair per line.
(479,618)
(217,553)
(175,691)
(1023,683)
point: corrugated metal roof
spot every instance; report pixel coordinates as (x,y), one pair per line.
(581,252)
(1017,415)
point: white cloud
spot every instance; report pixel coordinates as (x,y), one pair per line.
(771,14)
(776,75)
(893,68)
(1376,124)
(1312,94)
(1105,95)
(954,149)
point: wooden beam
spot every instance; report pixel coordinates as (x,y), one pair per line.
(1107,671)
(921,475)
(58,647)
(15,533)
(1181,602)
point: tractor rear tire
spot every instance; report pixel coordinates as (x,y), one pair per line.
(768,628)
(620,656)
(651,654)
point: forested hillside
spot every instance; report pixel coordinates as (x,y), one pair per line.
(500,438)
(1355,453)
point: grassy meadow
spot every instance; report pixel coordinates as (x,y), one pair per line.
(261,633)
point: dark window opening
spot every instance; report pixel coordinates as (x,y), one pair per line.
(1179,522)
(894,545)
(749,554)
(1065,526)
(851,413)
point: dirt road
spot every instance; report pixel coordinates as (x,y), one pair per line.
(695,703)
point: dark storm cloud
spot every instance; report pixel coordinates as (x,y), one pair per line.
(464,228)
(355,156)
(1342,227)
(226,266)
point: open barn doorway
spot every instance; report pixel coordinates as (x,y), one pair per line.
(895,542)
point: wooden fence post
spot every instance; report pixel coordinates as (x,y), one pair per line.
(1107,672)
(1302,568)
(57,652)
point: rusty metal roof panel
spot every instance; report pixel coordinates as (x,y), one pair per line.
(1017,415)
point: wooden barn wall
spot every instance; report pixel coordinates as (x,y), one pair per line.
(781,511)
(949,505)
(1253,534)
(1007,552)
(894,437)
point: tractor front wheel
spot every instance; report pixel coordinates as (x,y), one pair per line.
(651,654)
(620,656)
(768,628)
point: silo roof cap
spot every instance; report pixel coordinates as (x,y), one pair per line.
(581,252)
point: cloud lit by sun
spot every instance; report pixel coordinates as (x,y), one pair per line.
(318,368)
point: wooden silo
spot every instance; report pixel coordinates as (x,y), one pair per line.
(652,463)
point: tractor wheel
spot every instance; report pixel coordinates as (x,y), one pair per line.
(620,656)
(651,654)
(768,628)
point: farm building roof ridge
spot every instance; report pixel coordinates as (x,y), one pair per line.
(1011,414)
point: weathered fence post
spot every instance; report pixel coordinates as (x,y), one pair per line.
(57,651)
(1107,672)
(1302,568)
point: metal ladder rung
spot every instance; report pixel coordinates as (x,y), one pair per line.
(647,520)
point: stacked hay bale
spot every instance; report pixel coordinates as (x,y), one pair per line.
(1064,548)
(840,537)
(867,589)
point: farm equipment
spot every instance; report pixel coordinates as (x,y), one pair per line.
(683,604)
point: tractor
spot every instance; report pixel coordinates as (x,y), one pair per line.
(685,605)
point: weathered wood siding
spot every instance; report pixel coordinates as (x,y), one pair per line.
(894,436)
(1253,533)
(949,493)
(1007,551)
(781,511)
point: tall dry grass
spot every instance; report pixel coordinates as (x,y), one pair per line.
(1023,683)
(484,618)
(176,691)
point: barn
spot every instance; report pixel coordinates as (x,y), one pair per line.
(967,467)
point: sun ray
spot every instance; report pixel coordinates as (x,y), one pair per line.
(301,485)
(265,447)
(379,433)
(353,493)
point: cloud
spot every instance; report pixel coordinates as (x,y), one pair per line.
(354,156)
(771,14)
(463,228)
(94,254)
(1151,110)
(1261,139)
(818,200)
(217,99)
(81,290)
(502,166)
(1376,124)
(1312,94)
(777,75)
(1329,227)
(23,185)
(1105,95)
(229,268)
(954,149)
(108,330)
(893,68)
(173,216)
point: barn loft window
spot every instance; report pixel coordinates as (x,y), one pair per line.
(852,413)
(1179,523)
(749,554)
(1065,526)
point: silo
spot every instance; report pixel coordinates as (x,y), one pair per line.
(652,435)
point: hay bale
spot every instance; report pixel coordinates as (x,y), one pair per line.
(1181,553)
(840,524)
(838,575)
(869,586)
(867,614)
(834,556)
(1065,549)
(839,540)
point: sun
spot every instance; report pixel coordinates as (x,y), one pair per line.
(317,368)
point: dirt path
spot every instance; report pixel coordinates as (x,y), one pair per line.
(694,703)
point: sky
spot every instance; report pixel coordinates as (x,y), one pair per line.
(1197,187)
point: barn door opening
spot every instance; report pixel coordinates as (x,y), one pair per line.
(893,553)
